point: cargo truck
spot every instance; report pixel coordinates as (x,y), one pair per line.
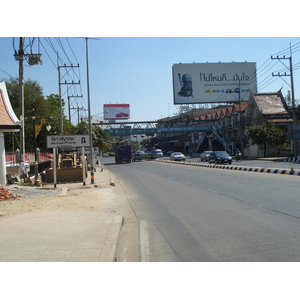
(123,154)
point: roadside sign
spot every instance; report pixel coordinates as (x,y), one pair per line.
(87,150)
(61,141)
(134,131)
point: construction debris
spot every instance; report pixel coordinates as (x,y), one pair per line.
(6,195)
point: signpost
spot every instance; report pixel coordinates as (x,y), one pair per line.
(63,141)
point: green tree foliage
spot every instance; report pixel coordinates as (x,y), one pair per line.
(36,108)
(267,134)
(53,115)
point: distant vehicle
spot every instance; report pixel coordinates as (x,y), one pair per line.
(122,115)
(123,154)
(169,152)
(204,156)
(220,157)
(177,156)
(157,153)
(137,157)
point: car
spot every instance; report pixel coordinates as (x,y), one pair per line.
(169,152)
(204,156)
(157,153)
(122,115)
(220,157)
(177,156)
(137,156)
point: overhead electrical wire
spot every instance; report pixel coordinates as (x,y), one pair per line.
(70,72)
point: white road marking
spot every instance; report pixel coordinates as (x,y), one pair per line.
(144,242)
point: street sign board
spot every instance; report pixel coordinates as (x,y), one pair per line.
(61,141)
(87,150)
(134,131)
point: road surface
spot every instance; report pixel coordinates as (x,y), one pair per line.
(193,214)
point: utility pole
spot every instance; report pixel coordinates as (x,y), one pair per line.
(294,142)
(33,59)
(69,106)
(291,85)
(21,104)
(89,114)
(89,108)
(240,113)
(78,109)
(60,95)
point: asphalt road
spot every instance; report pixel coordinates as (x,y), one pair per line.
(186,213)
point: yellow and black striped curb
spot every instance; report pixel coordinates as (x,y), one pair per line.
(236,168)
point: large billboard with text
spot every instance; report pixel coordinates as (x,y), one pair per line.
(213,82)
(116,111)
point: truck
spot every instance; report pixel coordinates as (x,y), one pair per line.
(123,154)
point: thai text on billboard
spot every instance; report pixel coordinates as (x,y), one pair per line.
(116,111)
(213,82)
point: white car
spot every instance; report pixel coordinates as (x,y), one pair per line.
(157,152)
(204,156)
(177,156)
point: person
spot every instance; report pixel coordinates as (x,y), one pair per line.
(186,86)
(238,155)
(24,170)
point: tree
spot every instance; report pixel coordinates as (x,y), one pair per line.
(36,106)
(267,134)
(53,113)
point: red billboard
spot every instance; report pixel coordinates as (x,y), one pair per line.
(116,111)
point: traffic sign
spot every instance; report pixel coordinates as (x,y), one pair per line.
(61,141)
(134,131)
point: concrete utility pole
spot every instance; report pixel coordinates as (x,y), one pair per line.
(60,83)
(89,114)
(294,141)
(33,59)
(21,103)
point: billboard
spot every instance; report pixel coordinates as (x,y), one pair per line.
(116,111)
(213,82)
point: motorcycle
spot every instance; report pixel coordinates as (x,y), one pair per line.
(238,156)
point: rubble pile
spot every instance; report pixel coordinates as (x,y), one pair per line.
(6,195)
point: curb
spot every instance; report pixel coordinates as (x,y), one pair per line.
(111,244)
(235,168)
(293,159)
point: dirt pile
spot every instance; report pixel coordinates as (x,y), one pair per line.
(6,195)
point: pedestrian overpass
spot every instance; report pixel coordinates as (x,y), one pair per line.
(149,128)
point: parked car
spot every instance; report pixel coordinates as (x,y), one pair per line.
(137,156)
(157,153)
(204,156)
(169,152)
(220,157)
(177,156)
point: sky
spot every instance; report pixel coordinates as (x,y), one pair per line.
(138,70)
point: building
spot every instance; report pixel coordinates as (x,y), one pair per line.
(224,127)
(8,123)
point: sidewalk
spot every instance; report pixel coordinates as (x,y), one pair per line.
(62,235)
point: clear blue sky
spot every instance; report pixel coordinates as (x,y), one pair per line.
(138,70)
